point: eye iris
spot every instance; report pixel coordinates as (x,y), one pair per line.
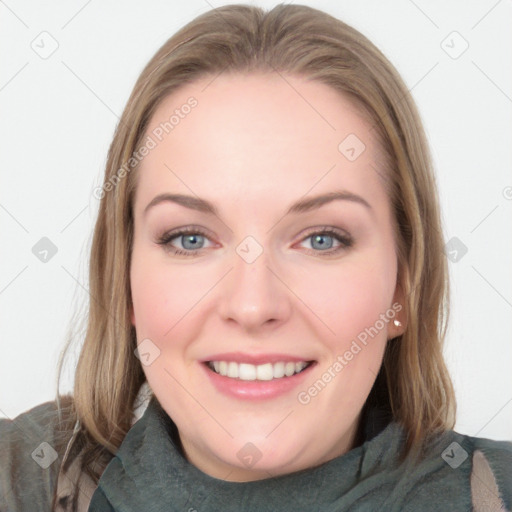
(323,245)
(188,238)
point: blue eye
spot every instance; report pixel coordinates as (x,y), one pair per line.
(323,241)
(192,240)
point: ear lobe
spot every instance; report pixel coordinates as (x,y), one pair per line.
(398,328)
(399,305)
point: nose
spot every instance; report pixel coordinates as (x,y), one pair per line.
(253,294)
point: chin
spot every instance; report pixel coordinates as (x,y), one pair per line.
(264,458)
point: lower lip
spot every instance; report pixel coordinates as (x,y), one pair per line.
(256,389)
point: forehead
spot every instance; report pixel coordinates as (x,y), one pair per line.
(259,135)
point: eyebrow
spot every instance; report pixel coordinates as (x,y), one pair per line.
(301,206)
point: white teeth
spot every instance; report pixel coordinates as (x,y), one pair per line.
(267,371)
(247,372)
(232,370)
(264,372)
(289,369)
(278,370)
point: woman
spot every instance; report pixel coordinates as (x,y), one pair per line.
(269,294)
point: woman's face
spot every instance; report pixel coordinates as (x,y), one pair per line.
(258,288)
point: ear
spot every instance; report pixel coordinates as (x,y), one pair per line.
(400,307)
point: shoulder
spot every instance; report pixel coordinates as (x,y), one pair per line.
(491,475)
(475,471)
(31,449)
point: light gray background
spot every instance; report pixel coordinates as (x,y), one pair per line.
(58,118)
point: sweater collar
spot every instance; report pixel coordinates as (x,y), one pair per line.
(150,469)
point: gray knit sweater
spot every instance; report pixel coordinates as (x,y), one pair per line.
(150,474)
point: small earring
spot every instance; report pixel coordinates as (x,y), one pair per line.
(397,323)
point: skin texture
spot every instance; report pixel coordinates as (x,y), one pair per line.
(253,146)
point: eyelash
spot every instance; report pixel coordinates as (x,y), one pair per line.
(346,241)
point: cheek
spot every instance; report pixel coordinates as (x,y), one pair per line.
(168,299)
(156,303)
(349,298)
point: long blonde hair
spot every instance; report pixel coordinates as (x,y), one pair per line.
(289,39)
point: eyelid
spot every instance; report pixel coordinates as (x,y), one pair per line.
(325,229)
(188,229)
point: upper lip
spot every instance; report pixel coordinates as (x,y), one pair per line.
(255,359)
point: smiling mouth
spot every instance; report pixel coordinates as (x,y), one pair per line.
(263,372)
